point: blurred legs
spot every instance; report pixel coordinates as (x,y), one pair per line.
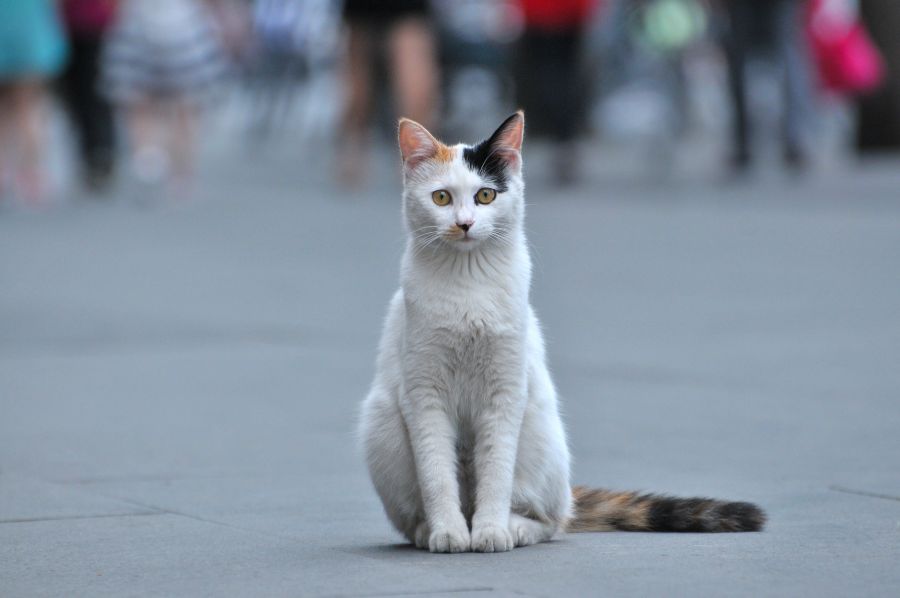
(358,85)
(183,141)
(22,123)
(414,70)
(409,49)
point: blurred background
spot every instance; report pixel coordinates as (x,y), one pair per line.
(116,99)
(200,231)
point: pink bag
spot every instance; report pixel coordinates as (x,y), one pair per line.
(847,59)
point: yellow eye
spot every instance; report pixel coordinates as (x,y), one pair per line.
(441,197)
(485,195)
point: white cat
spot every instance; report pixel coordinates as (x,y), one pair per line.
(461,427)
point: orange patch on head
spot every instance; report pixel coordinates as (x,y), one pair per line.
(443,153)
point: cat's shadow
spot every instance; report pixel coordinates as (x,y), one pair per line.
(399,547)
(409,551)
(387,551)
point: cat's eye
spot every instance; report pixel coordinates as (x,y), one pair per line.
(441,197)
(485,195)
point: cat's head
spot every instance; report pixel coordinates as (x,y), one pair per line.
(462,196)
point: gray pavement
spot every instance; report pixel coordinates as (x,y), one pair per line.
(179,383)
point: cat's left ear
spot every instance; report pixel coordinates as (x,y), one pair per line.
(506,142)
(416,143)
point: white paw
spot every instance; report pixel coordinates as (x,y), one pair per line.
(490,537)
(449,539)
(525,532)
(423,532)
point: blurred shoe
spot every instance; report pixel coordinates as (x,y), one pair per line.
(32,188)
(150,171)
(351,165)
(565,164)
(6,186)
(150,165)
(98,173)
(740,162)
(795,160)
(98,182)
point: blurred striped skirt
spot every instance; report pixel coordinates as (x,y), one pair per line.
(163,48)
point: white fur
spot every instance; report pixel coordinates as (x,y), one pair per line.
(461,428)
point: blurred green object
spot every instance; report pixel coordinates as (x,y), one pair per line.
(670,25)
(31,39)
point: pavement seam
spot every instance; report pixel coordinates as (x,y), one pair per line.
(846,490)
(163,510)
(71,517)
(411,593)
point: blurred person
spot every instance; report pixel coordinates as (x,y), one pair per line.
(402,30)
(646,47)
(550,81)
(32,50)
(92,115)
(162,63)
(777,27)
(294,43)
(879,112)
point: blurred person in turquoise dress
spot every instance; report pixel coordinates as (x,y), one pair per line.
(32,50)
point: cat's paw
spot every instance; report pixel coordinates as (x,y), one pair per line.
(423,533)
(524,531)
(491,538)
(449,539)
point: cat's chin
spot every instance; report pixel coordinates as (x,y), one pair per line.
(465,243)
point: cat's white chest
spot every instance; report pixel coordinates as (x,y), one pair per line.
(473,345)
(469,320)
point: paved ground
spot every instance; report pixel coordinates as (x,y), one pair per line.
(178,386)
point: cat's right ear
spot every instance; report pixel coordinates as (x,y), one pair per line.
(416,143)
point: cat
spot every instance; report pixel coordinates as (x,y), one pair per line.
(461,428)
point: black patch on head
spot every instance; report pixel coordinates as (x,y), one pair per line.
(490,164)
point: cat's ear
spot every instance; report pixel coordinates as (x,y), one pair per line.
(416,143)
(504,147)
(511,133)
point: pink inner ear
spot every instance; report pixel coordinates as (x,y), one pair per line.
(416,143)
(513,134)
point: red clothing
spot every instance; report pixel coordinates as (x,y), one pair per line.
(555,15)
(89,17)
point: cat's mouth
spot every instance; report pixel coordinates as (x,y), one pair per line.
(460,235)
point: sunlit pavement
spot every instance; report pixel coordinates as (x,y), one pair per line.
(179,383)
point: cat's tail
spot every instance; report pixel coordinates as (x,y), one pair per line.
(604,510)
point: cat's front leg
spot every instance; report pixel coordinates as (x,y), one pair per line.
(433,439)
(496,441)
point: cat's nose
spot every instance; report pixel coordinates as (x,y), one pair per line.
(465,226)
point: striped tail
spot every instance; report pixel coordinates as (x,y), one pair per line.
(604,510)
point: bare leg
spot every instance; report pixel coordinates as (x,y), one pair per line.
(182,152)
(414,70)
(357,77)
(149,159)
(141,123)
(28,131)
(7,138)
